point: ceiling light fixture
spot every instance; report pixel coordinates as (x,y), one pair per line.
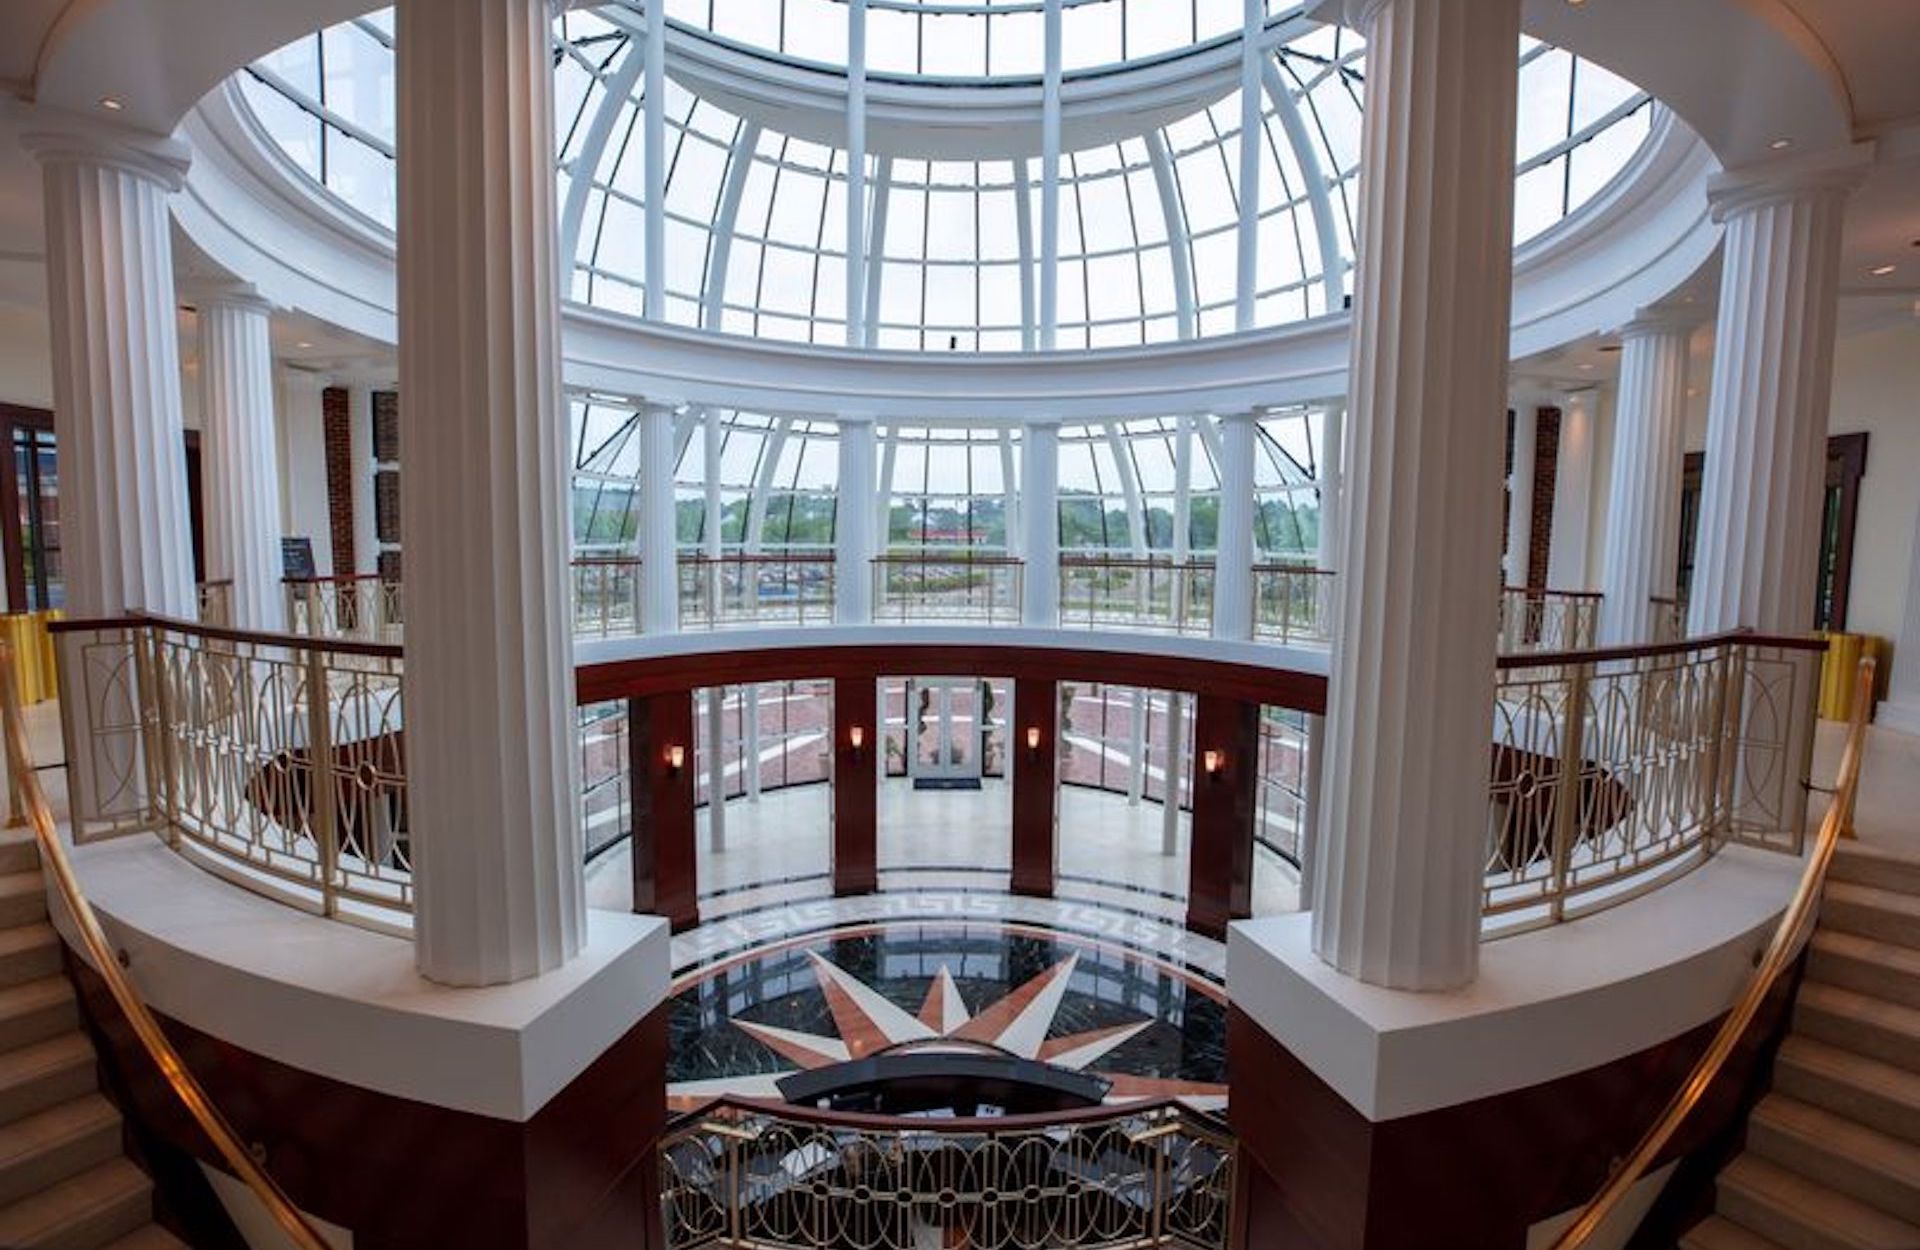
(1781,145)
(1881,271)
(111,103)
(303,345)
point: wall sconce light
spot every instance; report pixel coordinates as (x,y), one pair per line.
(1033,739)
(857,738)
(1212,761)
(676,759)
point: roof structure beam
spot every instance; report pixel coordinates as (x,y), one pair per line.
(593,147)
(1326,222)
(726,224)
(654,109)
(1050,182)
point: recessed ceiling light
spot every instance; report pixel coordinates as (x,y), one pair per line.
(1881,271)
(303,345)
(1780,145)
(1585,364)
(111,104)
(1692,391)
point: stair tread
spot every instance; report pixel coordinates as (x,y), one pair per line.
(35,995)
(1873,853)
(16,884)
(1861,895)
(100,1187)
(1877,1011)
(31,1062)
(1717,1232)
(32,1134)
(1814,1205)
(150,1237)
(1860,1071)
(1858,1143)
(25,937)
(1898,958)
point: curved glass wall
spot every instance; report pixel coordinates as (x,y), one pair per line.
(755,219)
(945,486)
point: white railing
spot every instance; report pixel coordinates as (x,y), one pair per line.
(1101,591)
(1611,769)
(361,606)
(937,585)
(1547,620)
(1293,604)
(791,588)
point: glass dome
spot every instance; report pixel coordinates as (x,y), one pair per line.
(944,487)
(755,219)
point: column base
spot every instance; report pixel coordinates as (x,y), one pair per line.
(1900,717)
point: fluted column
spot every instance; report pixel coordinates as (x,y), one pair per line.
(242,471)
(1040,523)
(493,797)
(1901,711)
(855,522)
(116,366)
(1572,495)
(1403,823)
(659,524)
(1758,541)
(1643,496)
(1233,546)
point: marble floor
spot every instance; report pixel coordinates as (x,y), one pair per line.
(1888,812)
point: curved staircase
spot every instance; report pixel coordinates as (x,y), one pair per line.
(1832,1158)
(65,1181)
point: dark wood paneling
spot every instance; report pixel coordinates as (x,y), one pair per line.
(617,679)
(1476,1176)
(856,793)
(404,1175)
(664,853)
(1220,862)
(1036,705)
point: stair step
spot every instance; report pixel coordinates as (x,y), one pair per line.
(1800,1214)
(1886,915)
(1860,1023)
(1878,1095)
(152,1237)
(29,952)
(1875,866)
(1716,1233)
(44,1074)
(23,897)
(51,1145)
(83,1212)
(1865,966)
(19,851)
(1863,1163)
(36,1010)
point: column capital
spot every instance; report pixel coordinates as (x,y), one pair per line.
(855,418)
(223,293)
(1835,172)
(60,137)
(1655,319)
(301,381)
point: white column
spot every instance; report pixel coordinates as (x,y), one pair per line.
(1403,821)
(1233,556)
(712,441)
(1643,494)
(1333,503)
(653,149)
(1901,711)
(493,794)
(1526,445)
(659,540)
(1572,494)
(1253,20)
(366,522)
(856,173)
(1176,773)
(855,523)
(303,464)
(1040,522)
(1050,180)
(116,366)
(1758,542)
(242,471)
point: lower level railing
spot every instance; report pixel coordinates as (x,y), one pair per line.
(936,585)
(1099,591)
(755,1176)
(788,588)
(1547,620)
(1293,604)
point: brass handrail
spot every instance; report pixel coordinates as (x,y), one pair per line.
(29,807)
(1779,955)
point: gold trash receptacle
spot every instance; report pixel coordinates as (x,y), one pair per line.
(1837,675)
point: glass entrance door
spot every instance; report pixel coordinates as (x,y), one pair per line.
(944,732)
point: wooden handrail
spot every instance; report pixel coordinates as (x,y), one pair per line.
(822,1117)
(1653,650)
(30,807)
(1779,956)
(221,633)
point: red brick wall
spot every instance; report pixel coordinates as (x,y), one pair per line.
(338,423)
(1546,469)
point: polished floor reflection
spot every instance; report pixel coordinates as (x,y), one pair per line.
(1149,1028)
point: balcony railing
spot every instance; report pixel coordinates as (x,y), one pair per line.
(606,596)
(1547,620)
(216,602)
(1100,591)
(756,1176)
(1669,619)
(1293,604)
(794,588)
(937,585)
(361,606)
(1614,768)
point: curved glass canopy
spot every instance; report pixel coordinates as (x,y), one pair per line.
(951,487)
(755,219)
